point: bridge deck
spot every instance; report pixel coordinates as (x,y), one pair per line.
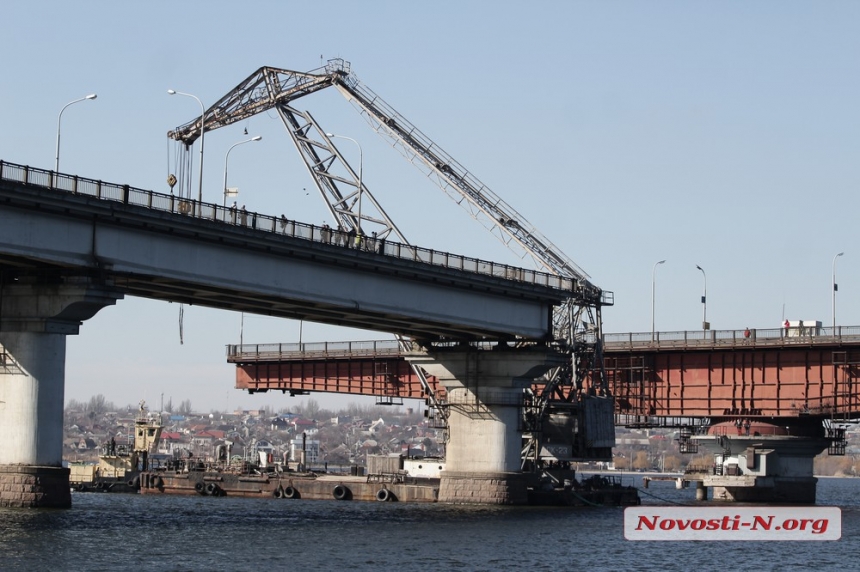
(721,374)
(160,246)
(127,195)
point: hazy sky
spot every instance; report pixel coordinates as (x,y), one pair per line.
(720,134)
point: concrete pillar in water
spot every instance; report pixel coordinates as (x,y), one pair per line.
(36,315)
(485,395)
(764,461)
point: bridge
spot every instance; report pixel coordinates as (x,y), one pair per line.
(70,246)
(155,245)
(764,401)
(661,382)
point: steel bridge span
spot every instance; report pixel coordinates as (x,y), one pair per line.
(668,381)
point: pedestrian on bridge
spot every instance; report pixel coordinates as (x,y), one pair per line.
(244,216)
(233,212)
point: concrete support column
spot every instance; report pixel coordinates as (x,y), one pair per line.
(766,462)
(484,397)
(36,315)
(31,398)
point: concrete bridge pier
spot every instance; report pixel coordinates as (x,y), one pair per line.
(36,315)
(485,398)
(761,461)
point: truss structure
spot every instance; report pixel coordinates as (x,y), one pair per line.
(577,323)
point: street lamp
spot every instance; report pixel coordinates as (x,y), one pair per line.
(202,117)
(835,288)
(653,283)
(227,156)
(360,169)
(59,117)
(705,324)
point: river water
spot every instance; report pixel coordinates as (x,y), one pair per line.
(115,532)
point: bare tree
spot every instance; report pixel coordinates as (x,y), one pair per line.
(99,405)
(185,407)
(312,408)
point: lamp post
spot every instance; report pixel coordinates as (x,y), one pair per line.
(653,284)
(227,156)
(59,118)
(705,324)
(360,169)
(835,288)
(202,117)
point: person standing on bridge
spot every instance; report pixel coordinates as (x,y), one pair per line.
(233,212)
(283,224)
(350,237)
(244,216)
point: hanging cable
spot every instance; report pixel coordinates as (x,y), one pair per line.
(181,319)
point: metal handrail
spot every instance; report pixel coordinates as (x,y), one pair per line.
(128,195)
(315,349)
(693,338)
(746,337)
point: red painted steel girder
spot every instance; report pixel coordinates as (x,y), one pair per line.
(746,381)
(374,376)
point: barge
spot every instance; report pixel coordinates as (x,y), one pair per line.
(288,481)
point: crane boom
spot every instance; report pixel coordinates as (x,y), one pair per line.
(262,90)
(269,87)
(577,323)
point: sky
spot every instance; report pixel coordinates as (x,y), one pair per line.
(719,134)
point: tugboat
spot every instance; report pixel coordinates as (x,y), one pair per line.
(120,465)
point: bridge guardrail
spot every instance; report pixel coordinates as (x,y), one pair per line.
(717,338)
(631,340)
(316,349)
(277,225)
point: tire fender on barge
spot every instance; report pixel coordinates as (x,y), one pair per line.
(341,492)
(384,495)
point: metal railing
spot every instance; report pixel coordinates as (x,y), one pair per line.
(128,195)
(314,350)
(693,338)
(746,337)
